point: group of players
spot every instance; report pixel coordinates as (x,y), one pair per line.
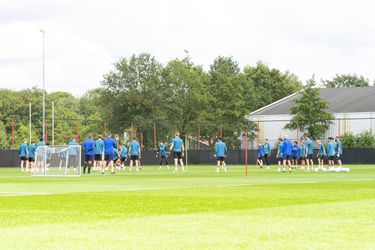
(290,154)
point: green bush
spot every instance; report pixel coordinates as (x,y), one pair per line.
(363,140)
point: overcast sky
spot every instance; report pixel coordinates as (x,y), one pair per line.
(84,38)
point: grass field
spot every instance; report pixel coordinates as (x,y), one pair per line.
(202,209)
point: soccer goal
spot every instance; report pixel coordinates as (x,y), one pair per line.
(58,161)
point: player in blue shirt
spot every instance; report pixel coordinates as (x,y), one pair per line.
(23,155)
(321,153)
(220,154)
(279,154)
(31,149)
(302,154)
(98,153)
(331,153)
(89,147)
(135,154)
(267,152)
(295,155)
(338,151)
(39,153)
(73,154)
(260,155)
(178,149)
(124,155)
(162,154)
(309,153)
(287,153)
(109,153)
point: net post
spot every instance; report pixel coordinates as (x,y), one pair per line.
(45,161)
(246,149)
(186,152)
(155,142)
(199,135)
(12,131)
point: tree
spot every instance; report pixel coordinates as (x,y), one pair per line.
(310,112)
(270,84)
(347,81)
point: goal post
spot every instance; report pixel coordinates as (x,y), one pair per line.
(58,161)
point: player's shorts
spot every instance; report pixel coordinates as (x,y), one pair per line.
(266,155)
(280,158)
(98,157)
(287,157)
(295,157)
(23,158)
(109,157)
(309,156)
(123,159)
(115,159)
(89,158)
(260,157)
(302,158)
(331,158)
(31,159)
(321,157)
(177,155)
(134,157)
(220,158)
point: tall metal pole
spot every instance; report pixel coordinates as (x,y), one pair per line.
(30,138)
(44,97)
(53,123)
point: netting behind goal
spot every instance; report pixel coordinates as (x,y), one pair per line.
(57,161)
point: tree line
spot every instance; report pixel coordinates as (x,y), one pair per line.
(140,94)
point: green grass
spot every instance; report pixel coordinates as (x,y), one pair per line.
(202,209)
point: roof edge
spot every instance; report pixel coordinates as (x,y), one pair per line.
(277,102)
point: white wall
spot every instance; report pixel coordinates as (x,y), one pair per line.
(272,126)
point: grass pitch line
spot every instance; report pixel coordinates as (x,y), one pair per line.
(23,193)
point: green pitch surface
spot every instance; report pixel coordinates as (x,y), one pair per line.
(202,209)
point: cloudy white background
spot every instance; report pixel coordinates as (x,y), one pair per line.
(84,38)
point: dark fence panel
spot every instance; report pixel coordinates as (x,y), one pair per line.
(10,158)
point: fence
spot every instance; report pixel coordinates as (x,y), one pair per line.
(10,158)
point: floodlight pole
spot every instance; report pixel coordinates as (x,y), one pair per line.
(30,122)
(53,123)
(44,96)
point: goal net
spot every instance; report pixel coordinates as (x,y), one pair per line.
(57,161)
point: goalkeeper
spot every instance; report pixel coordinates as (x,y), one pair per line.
(162,154)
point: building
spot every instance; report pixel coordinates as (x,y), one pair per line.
(353,109)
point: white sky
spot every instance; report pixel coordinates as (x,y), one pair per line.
(84,38)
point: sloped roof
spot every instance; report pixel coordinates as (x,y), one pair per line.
(341,100)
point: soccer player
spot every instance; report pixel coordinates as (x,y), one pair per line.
(31,149)
(295,155)
(23,155)
(116,158)
(267,152)
(124,155)
(220,154)
(109,152)
(338,151)
(162,154)
(260,155)
(287,153)
(89,147)
(99,152)
(302,154)
(178,149)
(309,152)
(321,154)
(279,154)
(73,154)
(135,154)
(39,158)
(331,153)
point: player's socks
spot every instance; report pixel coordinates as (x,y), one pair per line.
(160,167)
(84,169)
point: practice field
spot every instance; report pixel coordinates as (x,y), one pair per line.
(202,209)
